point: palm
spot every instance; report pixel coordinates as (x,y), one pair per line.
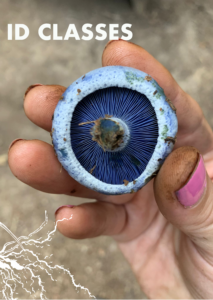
(151,251)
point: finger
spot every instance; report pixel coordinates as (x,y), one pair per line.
(184,194)
(91,220)
(34,163)
(193,128)
(40,102)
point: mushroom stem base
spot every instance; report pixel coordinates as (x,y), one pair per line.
(108,133)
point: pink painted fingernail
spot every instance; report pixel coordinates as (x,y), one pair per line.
(11,145)
(194,189)
(69,206)
(111,41)
(31,87)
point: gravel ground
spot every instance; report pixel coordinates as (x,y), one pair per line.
(178,33)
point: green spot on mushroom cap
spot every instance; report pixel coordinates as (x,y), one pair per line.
(164,132)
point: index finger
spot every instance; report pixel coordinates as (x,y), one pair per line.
(193,129)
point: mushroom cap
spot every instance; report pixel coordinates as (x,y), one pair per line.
(67,134)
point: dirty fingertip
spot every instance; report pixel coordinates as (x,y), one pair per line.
(173,176)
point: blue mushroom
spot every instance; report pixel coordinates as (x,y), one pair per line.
(113,128)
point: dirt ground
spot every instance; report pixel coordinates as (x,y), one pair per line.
(178,33)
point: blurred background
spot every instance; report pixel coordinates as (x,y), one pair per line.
(177,33)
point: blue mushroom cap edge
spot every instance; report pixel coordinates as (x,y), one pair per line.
(112,76)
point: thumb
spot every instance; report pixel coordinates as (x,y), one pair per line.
(183,192)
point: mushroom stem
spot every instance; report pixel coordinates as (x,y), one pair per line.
(110,133)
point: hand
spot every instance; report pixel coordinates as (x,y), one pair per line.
(169,247)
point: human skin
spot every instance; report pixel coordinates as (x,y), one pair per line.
(169,246)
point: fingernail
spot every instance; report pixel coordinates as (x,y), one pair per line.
(31,87)
(111,41)
(194,189)
(11,145)
(69,206)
